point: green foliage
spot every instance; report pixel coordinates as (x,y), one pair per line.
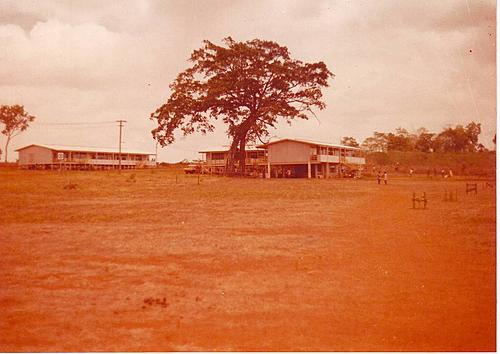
(376,143)
(472,131)
(424,140)
(248,85)
(469,163)
(349,141)
(15,120)
(399,141)
(457,139)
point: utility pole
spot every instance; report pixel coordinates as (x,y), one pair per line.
(120,145)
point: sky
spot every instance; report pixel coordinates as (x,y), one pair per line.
(80,65)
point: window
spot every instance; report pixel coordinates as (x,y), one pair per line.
(217,156)
(103,156)
(255,154)
(79,155)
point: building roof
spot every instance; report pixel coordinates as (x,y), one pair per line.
(226,148)
(86,149)
(310,142)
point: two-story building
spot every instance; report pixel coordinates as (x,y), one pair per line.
(81,158)
(292,158)
(214,160)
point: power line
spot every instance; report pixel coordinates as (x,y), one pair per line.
(72,123)
(69,127)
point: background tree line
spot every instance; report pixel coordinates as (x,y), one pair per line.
(450,139)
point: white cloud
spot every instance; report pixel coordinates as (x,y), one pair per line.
(397,63)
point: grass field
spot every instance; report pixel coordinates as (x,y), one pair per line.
(144,263)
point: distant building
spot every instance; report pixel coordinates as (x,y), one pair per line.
(214,160)
(81,158)
(292,158)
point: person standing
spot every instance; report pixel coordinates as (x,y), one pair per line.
(385,177)
(379,177)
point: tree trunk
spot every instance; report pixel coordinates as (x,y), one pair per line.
(242,156)
(237,150)
(237,154)
(231,157)
(6,147)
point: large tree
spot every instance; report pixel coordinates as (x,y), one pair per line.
(424,140)
(459,139)
(400,140)
(375,143)
(15,120)
(250,86)
(473,130)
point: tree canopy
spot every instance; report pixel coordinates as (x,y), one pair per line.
(375,143)
(450,139)
(249,86)
(400,140)
(424,140)
(349,141)
(15,120)
(460,138)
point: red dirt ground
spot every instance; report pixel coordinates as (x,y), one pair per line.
(243,265)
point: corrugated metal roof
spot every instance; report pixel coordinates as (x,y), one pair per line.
(310,142)
(86,149)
